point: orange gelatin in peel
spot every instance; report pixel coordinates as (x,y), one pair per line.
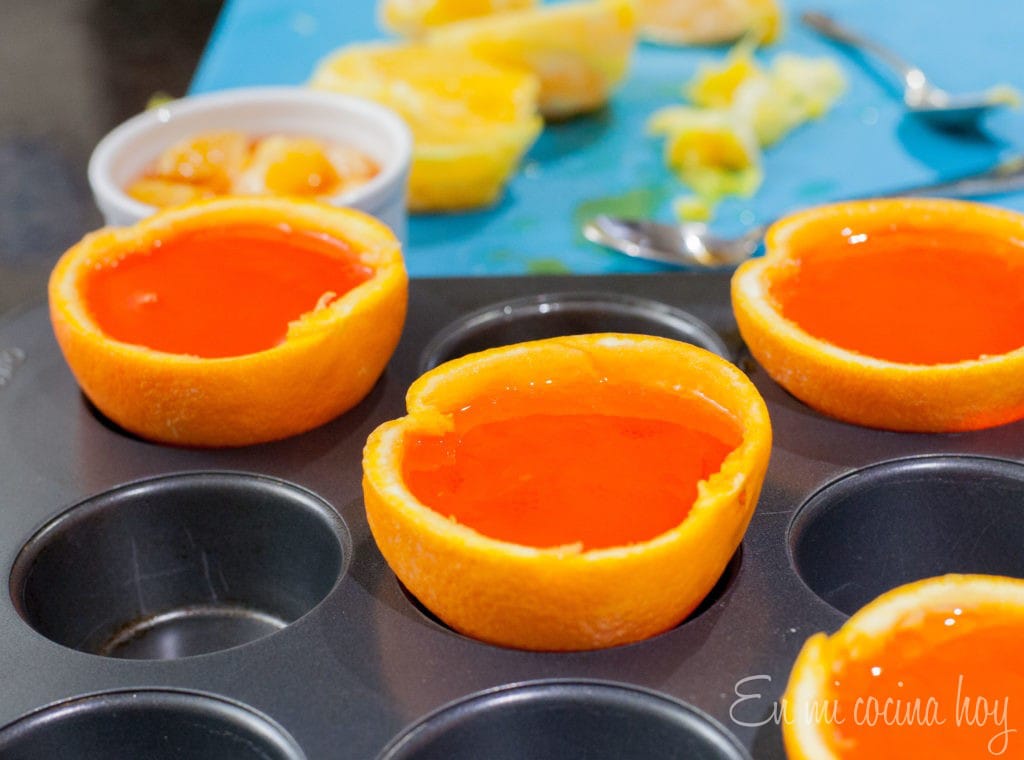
(900,313)
(232,321)
(220,291)
(945,688)
(570,493)
(928,671)
(912,296)
(534,468)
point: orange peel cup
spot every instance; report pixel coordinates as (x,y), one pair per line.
(975,392)
(566,597)
(925,616)
(329,360)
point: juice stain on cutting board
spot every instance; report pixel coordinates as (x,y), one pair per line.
(547,266)
(537,265)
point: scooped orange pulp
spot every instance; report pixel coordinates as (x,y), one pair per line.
(570,493)
(231,321)
(929,671)
(901,314)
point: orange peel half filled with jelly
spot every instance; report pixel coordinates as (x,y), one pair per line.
(928,670)
(570,493)
(232,321)
(900,314)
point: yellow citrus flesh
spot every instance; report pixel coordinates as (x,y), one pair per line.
(216,163)
(303,167)
(912,631)
(330,359)
(566,598)
(162,192)
(211,160)
(708,22)
(471,120)
(857,387)
(580,51)
(413,18)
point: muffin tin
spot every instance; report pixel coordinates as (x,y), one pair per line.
(169,602)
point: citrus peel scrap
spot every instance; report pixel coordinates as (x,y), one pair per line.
(471,120)
(737,108)
(580,51)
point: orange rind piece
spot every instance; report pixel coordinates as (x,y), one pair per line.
(917,620)
(329,360)
(211,160)
(708,22)
(949,396)
(471,120)
(566,597)
(303,167)
(580,51)
(413,18)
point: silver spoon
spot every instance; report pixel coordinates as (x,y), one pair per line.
(922,98)
(693,244)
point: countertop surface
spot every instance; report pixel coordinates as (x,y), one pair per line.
(71,70)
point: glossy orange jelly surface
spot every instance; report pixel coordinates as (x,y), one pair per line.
(951,687)
(550,465)
(910,296)
(220,292)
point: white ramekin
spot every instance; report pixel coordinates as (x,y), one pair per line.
(125,152)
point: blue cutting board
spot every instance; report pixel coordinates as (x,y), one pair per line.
(865,145)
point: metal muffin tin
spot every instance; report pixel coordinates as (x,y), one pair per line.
(168,602)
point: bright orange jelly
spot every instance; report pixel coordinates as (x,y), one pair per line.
(220,292)
(911,296)
(549,466)
(953,688)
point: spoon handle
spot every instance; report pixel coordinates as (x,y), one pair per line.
(911,75)
(1005,177)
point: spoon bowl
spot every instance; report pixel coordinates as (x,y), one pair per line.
(956,112)
(688,243)
(922,98)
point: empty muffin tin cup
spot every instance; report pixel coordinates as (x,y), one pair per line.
(566,720)
(151,724)
(180,565)
(909,519)
(556,314)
